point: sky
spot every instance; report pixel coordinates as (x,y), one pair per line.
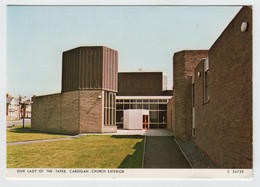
(145,37)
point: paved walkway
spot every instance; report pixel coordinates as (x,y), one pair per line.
(39,141)
(150,132)
(163,152)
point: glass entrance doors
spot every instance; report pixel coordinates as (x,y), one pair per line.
(145,122)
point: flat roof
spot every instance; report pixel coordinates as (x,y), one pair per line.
(143,97)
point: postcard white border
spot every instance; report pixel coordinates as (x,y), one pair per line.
(184,180)
(129,173)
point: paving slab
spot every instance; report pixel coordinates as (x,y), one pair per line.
(158,132)
(163,152)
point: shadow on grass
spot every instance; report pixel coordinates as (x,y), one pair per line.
(128,136)
(134,160)
(28,130)
(22,130)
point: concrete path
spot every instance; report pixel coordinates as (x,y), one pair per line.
(40,141)
(163,152)
(158,132)
(153,132)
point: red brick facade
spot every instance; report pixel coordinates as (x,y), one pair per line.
(184,63)
(171,114)
(223,124)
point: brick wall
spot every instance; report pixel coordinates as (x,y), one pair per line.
(56,113)
(70,113)
(224,124)
(91,111)
(170,114)
(140,84)
(184,63)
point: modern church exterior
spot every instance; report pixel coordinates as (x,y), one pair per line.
(96,98)
(211,104)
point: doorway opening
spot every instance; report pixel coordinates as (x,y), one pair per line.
(145,122)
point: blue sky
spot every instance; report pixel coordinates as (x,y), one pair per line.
(145,37)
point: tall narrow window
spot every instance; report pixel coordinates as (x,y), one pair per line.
(193,106)
(109,108)
(206,80)
(207,85)
(193,95)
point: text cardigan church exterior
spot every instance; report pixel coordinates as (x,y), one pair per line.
(211,103)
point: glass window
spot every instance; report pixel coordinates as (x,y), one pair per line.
(119,116)
(105,117)
(126,101)
(153,106)
(162,106)
(146,106)
(114,100)
(162,126)
(119,106)
(108,99)
(119,125)
(193,95)
(206,86)
(126,106)
(153,116)
(139,106)
(109,108)
(105,99)
(153,126)
(114,117)
(162,116)
(111,100)
(133,106)
(145,100)
(206,80)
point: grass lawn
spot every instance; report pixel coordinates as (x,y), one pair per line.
(92,151)
(26,134)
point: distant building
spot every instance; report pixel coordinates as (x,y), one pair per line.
(28,109)
(12,108)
